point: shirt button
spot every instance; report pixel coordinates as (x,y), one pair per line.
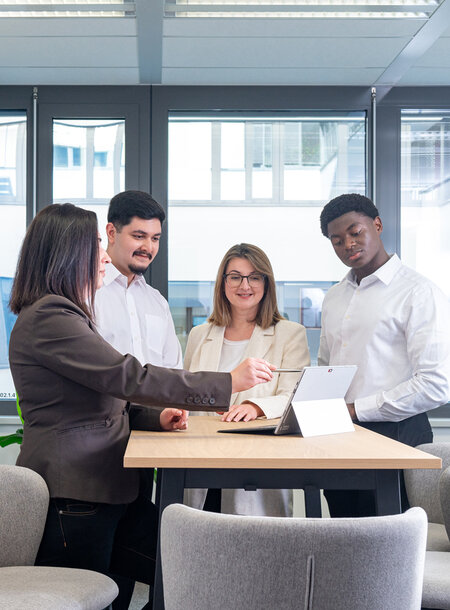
(189,400)
(204,401)
(197,400)
(212,401)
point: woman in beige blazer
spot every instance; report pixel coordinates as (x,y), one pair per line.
(246,322)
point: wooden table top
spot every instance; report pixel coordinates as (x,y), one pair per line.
(200,446)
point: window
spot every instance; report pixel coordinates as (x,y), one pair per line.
(88,162)
(260,180)
(13,127)
(425,193)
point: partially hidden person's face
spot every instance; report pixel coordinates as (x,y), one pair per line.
(246,296)
(356,239)
(135,246)
(103,260)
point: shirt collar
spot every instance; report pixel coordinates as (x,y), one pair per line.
(112,274)
(385,273)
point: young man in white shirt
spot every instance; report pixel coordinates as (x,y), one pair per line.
(394,324)
(130,314)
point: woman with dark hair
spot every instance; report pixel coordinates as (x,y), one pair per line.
(245,321)
(74,387)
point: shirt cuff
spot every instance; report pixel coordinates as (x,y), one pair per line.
(367,408)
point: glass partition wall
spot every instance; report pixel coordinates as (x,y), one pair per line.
(61,144)
(233,164)
(13,174)
(425,193)
(261,180)
(88,163)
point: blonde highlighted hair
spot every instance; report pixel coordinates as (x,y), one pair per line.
(268,313)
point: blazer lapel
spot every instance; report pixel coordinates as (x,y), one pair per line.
(260,342)
(211,349)
(258,346)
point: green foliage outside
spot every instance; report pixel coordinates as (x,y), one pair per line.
(17,436)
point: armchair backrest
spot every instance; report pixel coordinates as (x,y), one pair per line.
(24,502)
(422,486)
(213,560)
(444,492)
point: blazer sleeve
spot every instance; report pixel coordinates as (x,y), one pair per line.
(64,342)
(144,418)
(295,354)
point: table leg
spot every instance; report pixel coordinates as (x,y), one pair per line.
(313,506)
(213,500)
(171,487)
(387,492)
(158,487)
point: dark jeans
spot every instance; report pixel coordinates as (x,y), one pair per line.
(115,539)
(412,431)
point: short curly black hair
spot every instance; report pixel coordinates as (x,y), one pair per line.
(124,206)
(350,202)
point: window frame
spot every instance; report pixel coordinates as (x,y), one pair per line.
(131,103)
(153,104)
(238,99)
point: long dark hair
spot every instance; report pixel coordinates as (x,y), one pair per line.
(59,256)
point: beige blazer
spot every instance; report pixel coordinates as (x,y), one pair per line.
(285,345)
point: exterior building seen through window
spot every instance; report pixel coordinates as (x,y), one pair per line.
(13,131)
(425,193)
(261,180)
(88,163)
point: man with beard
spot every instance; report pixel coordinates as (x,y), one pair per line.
(130,314)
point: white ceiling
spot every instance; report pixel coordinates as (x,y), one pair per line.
(151,49)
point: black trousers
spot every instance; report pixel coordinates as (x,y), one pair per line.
(412,431)
(118,540)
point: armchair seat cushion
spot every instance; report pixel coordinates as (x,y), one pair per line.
(436,581)
(47,588)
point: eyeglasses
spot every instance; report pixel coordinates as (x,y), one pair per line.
(235,279)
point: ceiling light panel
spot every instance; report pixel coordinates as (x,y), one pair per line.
(288,9)
(67,8)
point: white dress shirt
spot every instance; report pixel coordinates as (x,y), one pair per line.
(136,320)
(395,325)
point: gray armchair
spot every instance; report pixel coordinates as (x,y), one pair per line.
(422,487)
(223,561)
(24,501)
(436,581)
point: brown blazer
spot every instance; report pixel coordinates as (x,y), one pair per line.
(73,389)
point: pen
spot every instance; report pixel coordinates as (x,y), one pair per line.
(287,371)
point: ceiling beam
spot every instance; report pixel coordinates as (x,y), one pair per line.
(428,34)
(149,27)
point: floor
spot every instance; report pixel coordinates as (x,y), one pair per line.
(140,596)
